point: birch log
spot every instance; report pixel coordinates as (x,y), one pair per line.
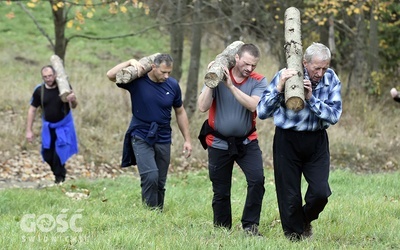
(215,73)
(131,73)
(62,79)
(294,88)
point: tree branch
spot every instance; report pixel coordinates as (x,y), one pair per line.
(341,25)
(37,24)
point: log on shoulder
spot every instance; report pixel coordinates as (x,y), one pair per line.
(215,73)
(62,78)
(131,73)
(294,88)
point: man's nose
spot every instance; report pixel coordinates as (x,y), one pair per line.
(320,72)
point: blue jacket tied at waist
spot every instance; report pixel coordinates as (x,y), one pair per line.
(66,142)
(151,131)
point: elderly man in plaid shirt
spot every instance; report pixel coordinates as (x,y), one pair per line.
(301,145)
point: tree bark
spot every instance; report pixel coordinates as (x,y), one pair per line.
(359,71)
(190,101)
(234,22)
(294,88)
(332,42)
(373,53)
(215,73)
(177,36)
(62,79)
(60,21)
(130,73)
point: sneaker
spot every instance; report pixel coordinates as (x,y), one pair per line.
(307,233)
(252,231)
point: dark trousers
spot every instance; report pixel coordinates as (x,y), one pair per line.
(50,156)
(295,154)
(152,162)
(220,165)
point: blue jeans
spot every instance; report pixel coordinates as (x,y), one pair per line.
(220,166)
(152,162)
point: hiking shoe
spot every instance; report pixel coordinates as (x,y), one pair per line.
(252,231)
(307,233)
(59,180)
(294,237)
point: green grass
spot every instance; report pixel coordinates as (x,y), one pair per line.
(362,213)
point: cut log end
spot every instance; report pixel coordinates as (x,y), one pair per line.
(126,75)
(211,80)
(295,103)
(130,73)
(63,95)
(226,58)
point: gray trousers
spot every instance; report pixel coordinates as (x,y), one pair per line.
(152,162)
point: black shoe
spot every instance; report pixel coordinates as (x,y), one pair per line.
(294,237)
(252,231)
(59,179)
(307,233)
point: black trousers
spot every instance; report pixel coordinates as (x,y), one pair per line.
(298,153)
(220,165)
(50,156)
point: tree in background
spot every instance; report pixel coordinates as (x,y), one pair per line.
(362,34)
(72,15)
(190,101)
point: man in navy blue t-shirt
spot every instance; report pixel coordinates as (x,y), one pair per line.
(148,139)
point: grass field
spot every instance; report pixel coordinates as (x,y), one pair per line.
(362,213)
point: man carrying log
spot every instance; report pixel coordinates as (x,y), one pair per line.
(147,142)
(59,141)
(301,144)
(229,135)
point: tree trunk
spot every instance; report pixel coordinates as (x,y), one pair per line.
(60,21)
(332,42)
(359,70)
(294,88)
(235,23)
(62,78)
(215,73)
(373,54)
(190,101)
(177,37)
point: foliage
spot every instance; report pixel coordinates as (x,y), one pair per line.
(390,33)
(373,84)
(259,20)
(387,13)
(84,9)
